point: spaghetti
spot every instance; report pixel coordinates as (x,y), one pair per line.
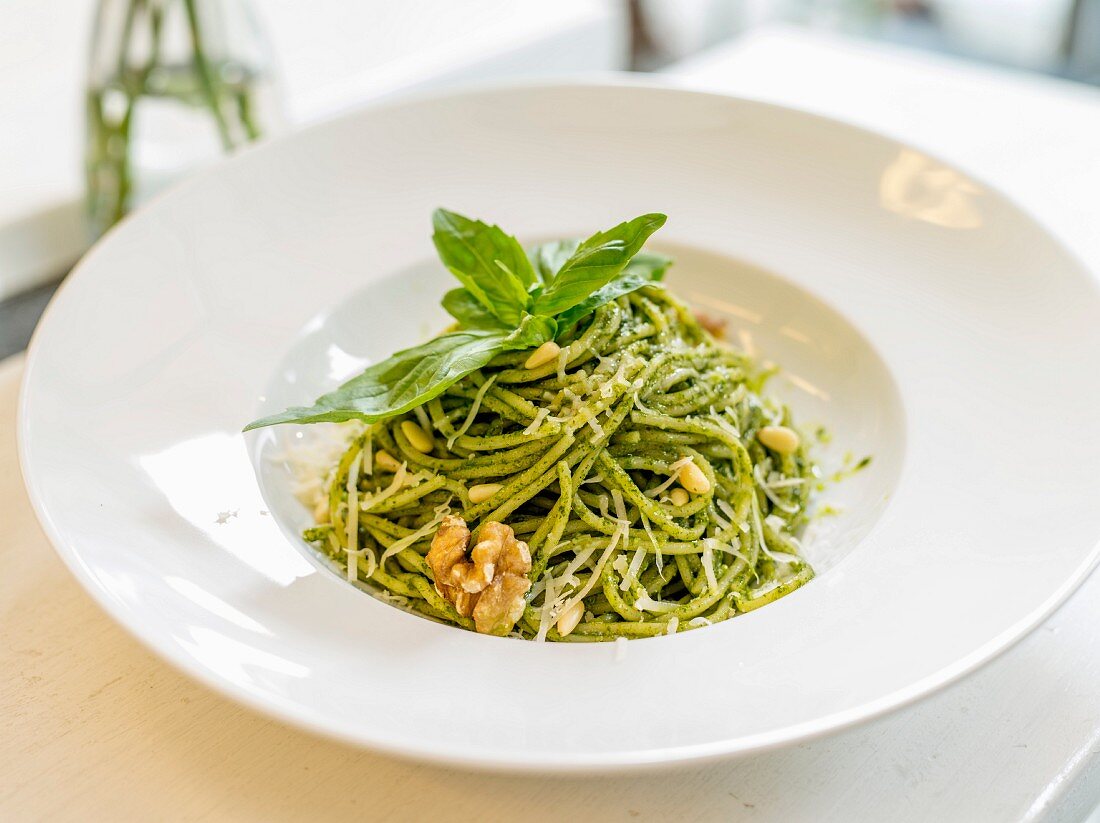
(630,464)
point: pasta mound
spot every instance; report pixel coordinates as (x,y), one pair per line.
(657,488)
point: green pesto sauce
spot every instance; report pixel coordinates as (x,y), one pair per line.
(849,470)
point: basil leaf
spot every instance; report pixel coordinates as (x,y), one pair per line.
(489,263)
(469,313)
(550,257)
(643,270)
(534,330)
(408,379)
(650,264)
(595,263)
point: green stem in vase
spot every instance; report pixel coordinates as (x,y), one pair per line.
(194,79)
(207,77)
(244,112)
(127,33)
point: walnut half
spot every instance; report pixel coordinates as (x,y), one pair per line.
(490,583)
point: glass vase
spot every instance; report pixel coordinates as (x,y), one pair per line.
(172,84)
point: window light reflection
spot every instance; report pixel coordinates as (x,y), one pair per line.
(207,477)
(238,662)
(917,186)
(214,604)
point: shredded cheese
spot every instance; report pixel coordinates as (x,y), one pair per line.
(608,388)
(755,511)
(676,376)
(620,506)
(718,522)
(728,511)
(352,530)
(774,522)
(708,563)
(724,425)
(648,604)
(474,407)
(441,511)
(422,417)
(371,500)
(779,504)
(546,613)
(620,532)
(788,482)
(311,455)
(789,559)
(658,556)
(673,477)
(586,415)
(540,418)
(632,570)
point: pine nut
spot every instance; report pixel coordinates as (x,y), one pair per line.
(418,438)
(570,618)
(386,461)
(482,492)
(693,479)
(779,439)
(679,496)
(320,512)
(542,355)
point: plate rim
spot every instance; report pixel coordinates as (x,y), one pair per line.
(574,763)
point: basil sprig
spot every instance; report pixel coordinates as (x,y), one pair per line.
(508,301)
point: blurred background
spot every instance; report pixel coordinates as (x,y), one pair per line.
(105,102)
(1059,37)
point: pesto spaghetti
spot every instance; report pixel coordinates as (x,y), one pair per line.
(617,474)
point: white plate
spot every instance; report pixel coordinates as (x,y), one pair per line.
(961,349)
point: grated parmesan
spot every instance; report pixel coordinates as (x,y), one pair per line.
(422,418)
(474,407)
(540,418)
(673,477)
(598,570)
(788,482)
(441,511)
(311,455)
(546,613)
(774,522)
(708,563)
(352,526)
(398,482)
(648,604)
(658,556)
(755,511)
(775,501)
(728,511)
